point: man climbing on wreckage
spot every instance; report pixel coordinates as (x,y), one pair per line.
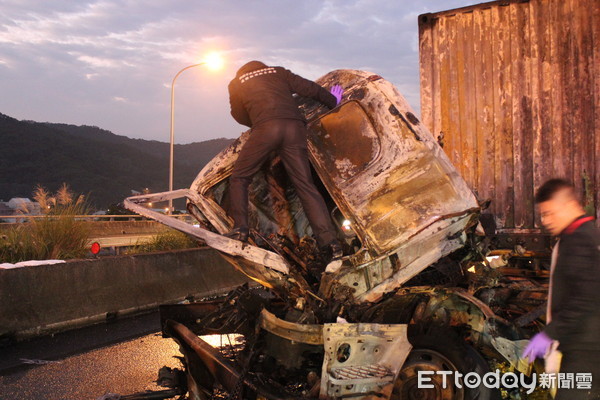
(573,319)
(261,97)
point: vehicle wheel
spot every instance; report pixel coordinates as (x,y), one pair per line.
(440,349)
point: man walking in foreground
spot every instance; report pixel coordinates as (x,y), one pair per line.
(261,97)
(573,316)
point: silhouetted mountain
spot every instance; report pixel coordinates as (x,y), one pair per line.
(92,161)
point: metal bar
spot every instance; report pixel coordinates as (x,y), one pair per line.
(221,369)
(530,316)
(218,242)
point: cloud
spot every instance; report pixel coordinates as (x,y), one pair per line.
(97,62)
(110,63)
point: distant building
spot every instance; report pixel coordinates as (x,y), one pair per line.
(5,209)
(22,205)
(18,206)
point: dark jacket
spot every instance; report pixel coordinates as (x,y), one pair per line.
(260,93)
(576,289)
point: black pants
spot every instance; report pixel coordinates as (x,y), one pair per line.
(288,138)
(577,362)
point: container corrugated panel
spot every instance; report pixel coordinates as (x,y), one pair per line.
(514,87)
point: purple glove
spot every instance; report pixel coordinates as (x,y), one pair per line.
(337,91)
(538,346)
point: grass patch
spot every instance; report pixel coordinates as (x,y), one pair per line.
(57,235)
(166,240)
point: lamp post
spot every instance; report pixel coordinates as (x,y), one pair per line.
(213,61)
(172,143)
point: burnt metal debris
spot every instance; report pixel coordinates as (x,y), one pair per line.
(420,285)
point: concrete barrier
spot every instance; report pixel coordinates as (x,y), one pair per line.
(43,299)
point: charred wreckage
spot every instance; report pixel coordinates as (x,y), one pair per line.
(420,287)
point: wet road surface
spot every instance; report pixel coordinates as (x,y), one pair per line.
(123,357)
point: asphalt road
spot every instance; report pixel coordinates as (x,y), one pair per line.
(122,357)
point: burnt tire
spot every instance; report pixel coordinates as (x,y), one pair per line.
(440,349)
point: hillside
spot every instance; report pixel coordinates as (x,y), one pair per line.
(92,161)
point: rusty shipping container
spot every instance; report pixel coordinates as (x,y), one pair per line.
(514,89)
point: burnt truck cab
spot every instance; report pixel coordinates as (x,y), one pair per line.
(401,210)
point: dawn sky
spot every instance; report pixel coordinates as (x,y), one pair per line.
(110,63)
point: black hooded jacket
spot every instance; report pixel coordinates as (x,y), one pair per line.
(260,93)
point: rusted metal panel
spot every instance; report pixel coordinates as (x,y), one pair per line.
(595,13)
(484,89)
(521,111)
(362,360)
(541,87)
(467,97)
(514,88)
(503,116)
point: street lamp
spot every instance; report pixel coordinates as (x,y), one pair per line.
(213,61)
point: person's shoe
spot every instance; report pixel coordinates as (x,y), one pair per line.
(332,251)
(336,250)
(240,234)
